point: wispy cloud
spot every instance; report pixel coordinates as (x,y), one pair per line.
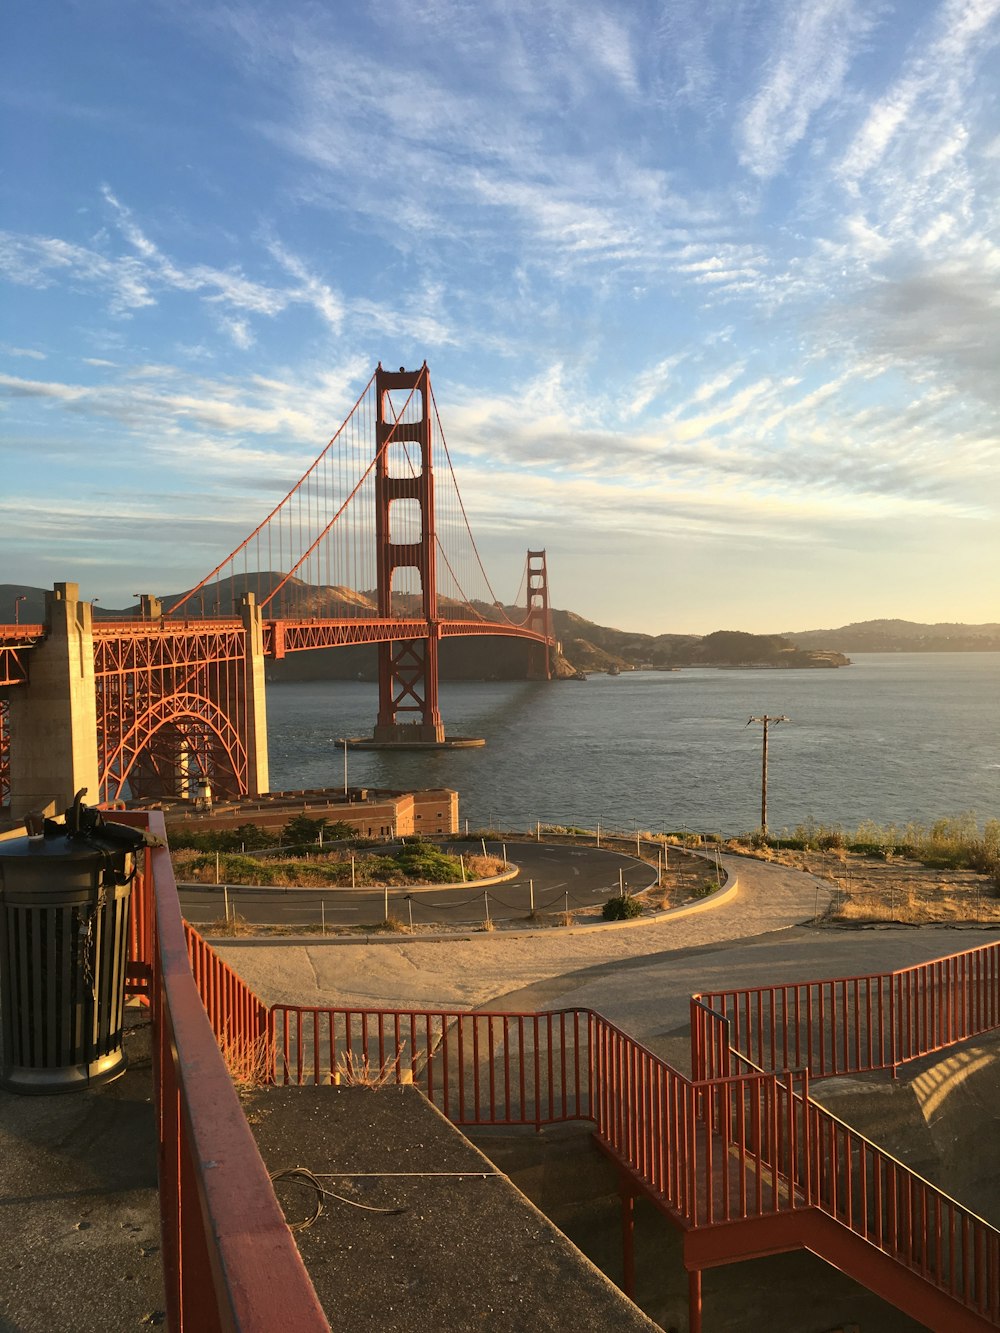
(135,281)
(930,87)
(30,352)
(815,42)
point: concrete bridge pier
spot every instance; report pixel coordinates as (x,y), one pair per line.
(256,708)
(53,718)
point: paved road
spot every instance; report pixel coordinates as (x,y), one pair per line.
(554,878)
(641,975)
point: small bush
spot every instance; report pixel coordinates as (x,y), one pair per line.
(835,841)
(621,908)
(301,832)
(252,838)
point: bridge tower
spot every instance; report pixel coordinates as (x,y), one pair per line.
(408,709)
(539,616)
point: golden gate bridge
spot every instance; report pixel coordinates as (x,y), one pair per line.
(372,545)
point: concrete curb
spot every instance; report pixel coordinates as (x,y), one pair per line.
(713,900)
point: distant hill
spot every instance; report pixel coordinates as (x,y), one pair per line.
(901,636)
(591,647)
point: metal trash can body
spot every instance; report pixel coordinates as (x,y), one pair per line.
(64,932)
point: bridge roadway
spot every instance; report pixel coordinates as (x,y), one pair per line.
(563,878)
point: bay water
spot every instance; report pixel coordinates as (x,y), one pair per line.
(892,738)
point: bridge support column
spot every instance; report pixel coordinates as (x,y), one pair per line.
(256,706)
(53,718)
(407,669)
(408,685)
(694,1300)
(539,617)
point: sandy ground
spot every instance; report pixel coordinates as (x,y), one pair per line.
(470,971)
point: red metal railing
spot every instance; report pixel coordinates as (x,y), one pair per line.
(477,1068)
(739,1146)
(739,1154)
(849,1025)
(743,1147)
(229,1260)
(239,1019)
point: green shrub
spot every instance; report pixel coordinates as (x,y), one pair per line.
(252,838)
(338,831)
(621,908)
(301,831)
(425,860)
(247,836)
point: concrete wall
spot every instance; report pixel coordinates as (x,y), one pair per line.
(53,719)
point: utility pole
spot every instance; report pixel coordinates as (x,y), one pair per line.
(767,721)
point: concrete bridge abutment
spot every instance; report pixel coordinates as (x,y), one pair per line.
(256,707)
(53,717)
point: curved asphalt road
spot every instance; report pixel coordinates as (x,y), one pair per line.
(640,975)
(555,878)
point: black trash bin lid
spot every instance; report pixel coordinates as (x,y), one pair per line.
(84,835)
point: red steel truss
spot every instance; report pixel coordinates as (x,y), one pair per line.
(16,641)
(171,707)
(4,755)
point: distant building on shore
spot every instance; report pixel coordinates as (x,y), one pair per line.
(372,812)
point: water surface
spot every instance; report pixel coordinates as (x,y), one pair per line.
(892,738)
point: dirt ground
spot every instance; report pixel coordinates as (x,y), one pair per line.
(894,888)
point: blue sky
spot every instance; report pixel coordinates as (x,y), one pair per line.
(709,289)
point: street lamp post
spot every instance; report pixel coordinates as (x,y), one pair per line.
(21,597)
(767,721)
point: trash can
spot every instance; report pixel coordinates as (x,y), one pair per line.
(65,892)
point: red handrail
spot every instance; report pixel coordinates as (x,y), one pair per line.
(729,1146)
(847,1025)
(229,1259)
(477,1068)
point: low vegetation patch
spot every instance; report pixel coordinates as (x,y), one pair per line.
(915,873)
(414,863)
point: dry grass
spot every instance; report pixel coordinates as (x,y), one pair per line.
(248,1061)
(233,925)
(330,869)
(391,925)
(359,1072)
(892,888)
(684,879)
